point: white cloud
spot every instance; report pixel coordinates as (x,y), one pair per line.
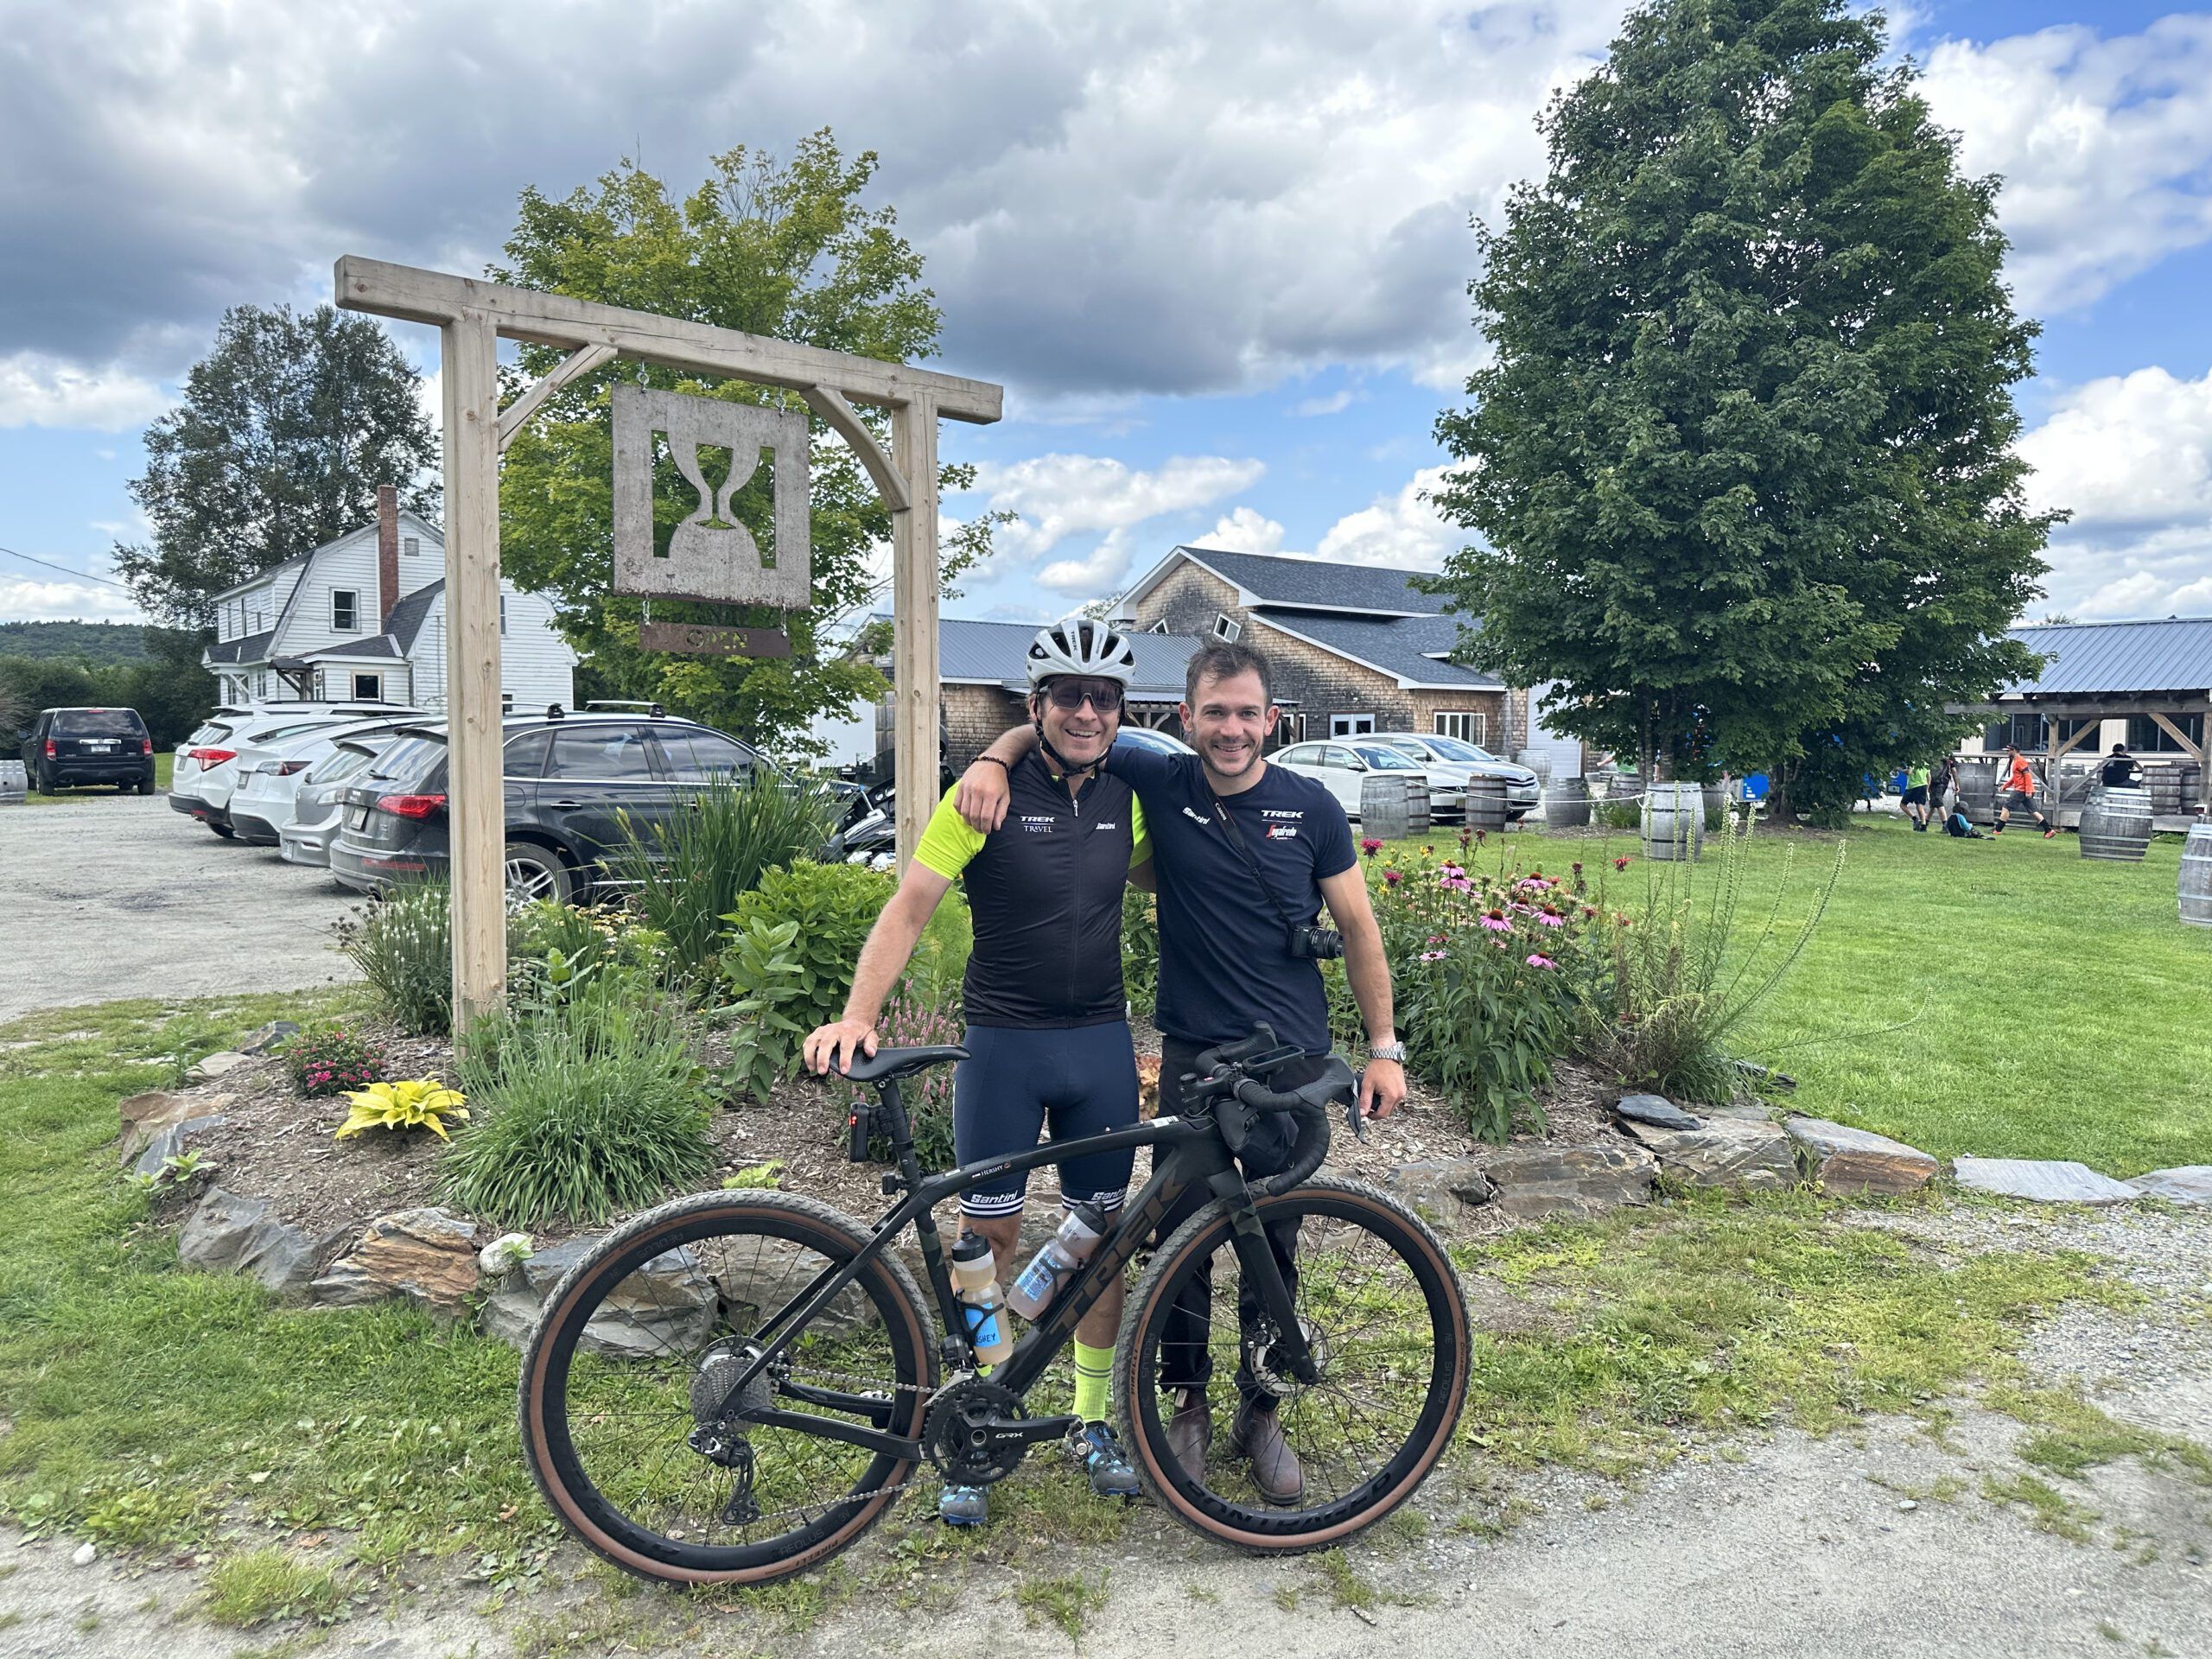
(1102,571)
(2104,143)
(1245,530)
(1335,404)
(39,390)
(1063,495)
(27,600)
(1399,530)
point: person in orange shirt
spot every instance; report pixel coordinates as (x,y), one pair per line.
(2018,788)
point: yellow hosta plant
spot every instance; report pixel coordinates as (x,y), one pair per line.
(421,1102)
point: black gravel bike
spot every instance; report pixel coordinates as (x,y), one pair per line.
(733,1387)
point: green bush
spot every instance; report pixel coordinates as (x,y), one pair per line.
(689,872)
(582,1110)
(1140,950)
(939,965)
(328,1059)
(760,971)
(834,905)
(403,947)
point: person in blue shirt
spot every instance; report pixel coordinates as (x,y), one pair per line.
(1245,856)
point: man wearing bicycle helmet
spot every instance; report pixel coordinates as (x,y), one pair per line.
(1048,1032)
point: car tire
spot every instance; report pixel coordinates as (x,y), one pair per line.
(47,783)
(145,785)
(535,872)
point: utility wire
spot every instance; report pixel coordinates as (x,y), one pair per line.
(66,570)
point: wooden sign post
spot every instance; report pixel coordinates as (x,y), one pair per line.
(472,317)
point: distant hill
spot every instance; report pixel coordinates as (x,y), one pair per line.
(91,642)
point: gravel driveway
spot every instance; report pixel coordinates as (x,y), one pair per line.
(116,896)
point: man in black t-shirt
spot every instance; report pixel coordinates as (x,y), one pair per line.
(2122,771)
(1225,964)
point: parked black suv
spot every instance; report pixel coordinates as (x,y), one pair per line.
(68,746)
(572,780)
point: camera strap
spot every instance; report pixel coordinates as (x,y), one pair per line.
(1251,861)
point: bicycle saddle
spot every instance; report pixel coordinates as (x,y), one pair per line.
(888,1063)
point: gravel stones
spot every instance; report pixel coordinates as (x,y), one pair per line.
(2044,1180)
(1534,1182)
(225,1233)
(1726,1151)
(1847,1161)
(427,1255)
(1656,1110)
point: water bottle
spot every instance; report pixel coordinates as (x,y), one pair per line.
(974,1278)
(1056,1263)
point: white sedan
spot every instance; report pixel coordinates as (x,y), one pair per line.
(1342,765)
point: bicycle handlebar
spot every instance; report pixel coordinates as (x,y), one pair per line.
(1309,1104)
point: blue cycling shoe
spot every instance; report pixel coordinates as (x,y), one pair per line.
(1104,1461)
(962,1506)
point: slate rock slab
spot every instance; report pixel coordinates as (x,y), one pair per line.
(1726,1151)
(1534,1182)
(2183,1184)
(219,1065)
(146,1116)
(668,1306)
(1849,1161)
(427,1255)
(270,1037)
(2045,1180)
(225,1233)
(1437,1187)
(1656,1110)
(168,1143)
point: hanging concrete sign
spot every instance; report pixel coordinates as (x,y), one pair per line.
(711,556)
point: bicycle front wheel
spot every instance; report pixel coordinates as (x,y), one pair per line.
(1385,1318)
(636,1351)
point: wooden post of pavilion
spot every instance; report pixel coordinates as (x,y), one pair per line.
(472,317)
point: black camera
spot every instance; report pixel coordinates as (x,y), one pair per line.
(1311,942)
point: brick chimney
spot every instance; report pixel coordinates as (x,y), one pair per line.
(387,554)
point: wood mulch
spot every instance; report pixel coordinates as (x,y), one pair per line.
(275,1145)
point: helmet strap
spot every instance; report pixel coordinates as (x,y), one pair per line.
(1059,760)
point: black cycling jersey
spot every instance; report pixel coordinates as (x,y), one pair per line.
(1044,889)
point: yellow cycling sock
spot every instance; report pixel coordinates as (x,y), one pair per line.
(1094,1369)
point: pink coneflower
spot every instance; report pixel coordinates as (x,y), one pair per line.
(1432,956)
(1458,884)
(1551,917)
(1495,922)
(1437,938)
(1537,959)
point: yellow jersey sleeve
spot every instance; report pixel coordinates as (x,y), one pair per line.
(948,842)
(1140,838)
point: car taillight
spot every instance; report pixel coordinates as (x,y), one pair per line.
(211,756)
(289,767)
(410,806)
(49,748)
(145,746)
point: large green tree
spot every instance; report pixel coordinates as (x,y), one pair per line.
(773,247)
(1741,458)
(288,426)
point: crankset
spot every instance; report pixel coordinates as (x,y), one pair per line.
(976,1432)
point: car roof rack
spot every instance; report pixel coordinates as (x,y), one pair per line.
(653,708)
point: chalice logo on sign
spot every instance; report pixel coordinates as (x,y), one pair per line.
(711,555)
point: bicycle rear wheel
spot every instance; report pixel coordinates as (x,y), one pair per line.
(637,1349)
(1386,1318)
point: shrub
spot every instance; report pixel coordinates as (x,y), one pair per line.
(328,1059)
(1140,950)
(403,947)
(832,906)
(1677,980)
(418,1103)
(1483,969)
(592,1108)
(687,873)
(940,964)
(760,970)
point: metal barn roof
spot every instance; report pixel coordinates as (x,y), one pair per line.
(2094,659)
(997,652)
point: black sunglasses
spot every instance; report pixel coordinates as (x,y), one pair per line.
(1069,693)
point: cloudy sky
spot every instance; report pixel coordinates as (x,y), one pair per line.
(1216,252)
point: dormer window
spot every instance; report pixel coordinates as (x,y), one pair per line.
(410,545)
(1160,626)
(1226,628)
(345,611)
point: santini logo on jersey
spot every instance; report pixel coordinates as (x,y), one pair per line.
(1106,824)
(1196,817)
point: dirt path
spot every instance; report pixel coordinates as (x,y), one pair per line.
(1882,1539)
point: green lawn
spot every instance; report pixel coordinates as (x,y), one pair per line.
(2005,997)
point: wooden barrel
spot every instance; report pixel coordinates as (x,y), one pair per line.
(2163,781)
(1673,821)
(2196,876)
(15,784)
(2116,825)
(1711,794)
(1624,785)
(1566,803)
(1485,799)
(1978,786)
(1393,804)
(1537,760)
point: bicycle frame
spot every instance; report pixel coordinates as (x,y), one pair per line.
(1196,1152)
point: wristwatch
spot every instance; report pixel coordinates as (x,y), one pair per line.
(1387,1052)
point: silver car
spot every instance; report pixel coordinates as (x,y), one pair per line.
(305,838)
(1456,757)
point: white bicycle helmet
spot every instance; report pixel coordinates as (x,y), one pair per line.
(1081,646)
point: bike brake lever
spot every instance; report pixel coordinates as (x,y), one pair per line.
(1352,1108)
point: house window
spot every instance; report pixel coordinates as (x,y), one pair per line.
(368,688)
(503,613)
(345,610)
(2145,734)
(1467,725)
(410,545)
(1350,725)
(1160,626)
(1227,627)
(2029,734)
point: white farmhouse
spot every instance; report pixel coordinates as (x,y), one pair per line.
(363,619)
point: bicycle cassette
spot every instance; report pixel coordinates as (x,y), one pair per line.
(973,1432)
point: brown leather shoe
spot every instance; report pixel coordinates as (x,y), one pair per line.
(1190,1432)
(1257,1435)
